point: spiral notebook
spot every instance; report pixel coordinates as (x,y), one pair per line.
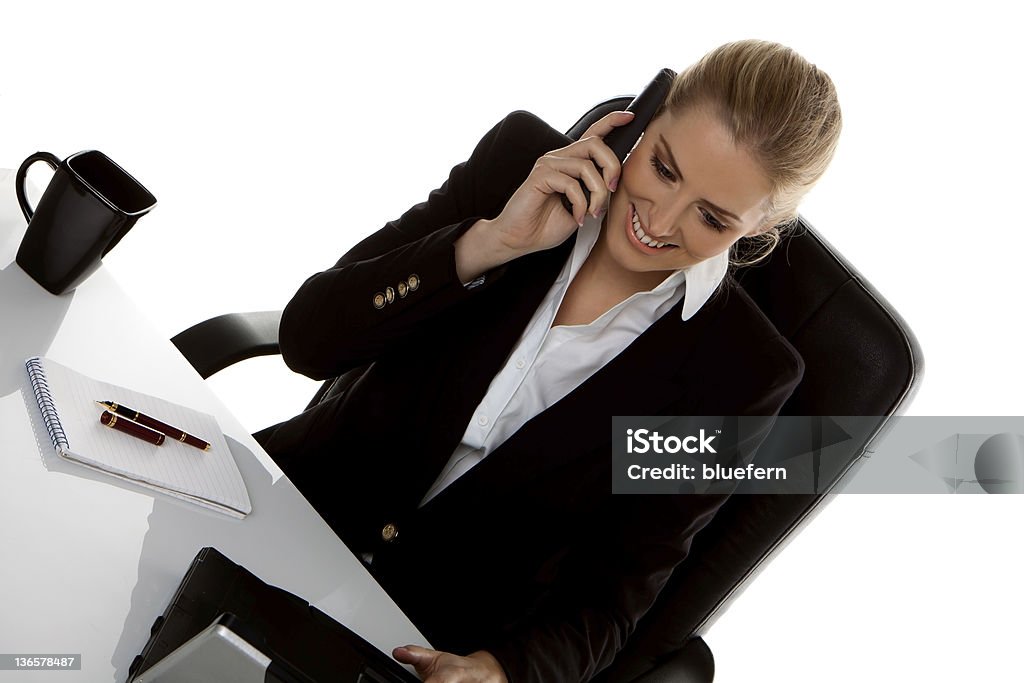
(66,400)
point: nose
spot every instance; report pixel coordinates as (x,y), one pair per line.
(665,216)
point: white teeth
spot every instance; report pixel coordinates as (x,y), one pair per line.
(642,236)
(636,227)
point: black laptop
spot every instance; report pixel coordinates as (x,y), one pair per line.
(225,624)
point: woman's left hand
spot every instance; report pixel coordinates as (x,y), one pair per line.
(442,667)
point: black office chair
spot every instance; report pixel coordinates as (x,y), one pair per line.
(861,360)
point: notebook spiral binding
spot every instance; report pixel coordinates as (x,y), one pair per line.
(44,398)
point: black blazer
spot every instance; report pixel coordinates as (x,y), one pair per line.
(528,555)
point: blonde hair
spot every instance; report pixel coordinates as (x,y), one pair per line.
(782,108)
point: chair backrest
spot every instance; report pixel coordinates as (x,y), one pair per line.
(861,360)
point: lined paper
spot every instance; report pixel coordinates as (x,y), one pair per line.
(208,478)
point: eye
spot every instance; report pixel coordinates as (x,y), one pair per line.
(712,222)
(661,169)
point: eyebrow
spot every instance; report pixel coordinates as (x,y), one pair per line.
(675,168)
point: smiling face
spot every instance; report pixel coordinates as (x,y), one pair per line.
(688,188)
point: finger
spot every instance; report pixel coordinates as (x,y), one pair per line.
(608,160)
(603,156)
(419,657)
(554,182)
(599,153)
(607,123)
(555,174)
(584,170)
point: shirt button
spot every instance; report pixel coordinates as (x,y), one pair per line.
(378,300)
(389,533)
(482,421)
(389,294)
(414,282)
(520,364)
(403,289)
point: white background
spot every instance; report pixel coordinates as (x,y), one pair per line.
(276,138)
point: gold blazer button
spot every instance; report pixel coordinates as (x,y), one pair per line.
(389,294)
(378,300)
(414,282)
(403,289)
(389,533)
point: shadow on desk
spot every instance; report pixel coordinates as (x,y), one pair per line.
(28,324)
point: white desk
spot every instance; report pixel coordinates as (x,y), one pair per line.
(88,562)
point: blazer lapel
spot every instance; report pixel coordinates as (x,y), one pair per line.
(492,329)
(659,356)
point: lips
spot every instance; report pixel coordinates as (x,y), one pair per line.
(635,240)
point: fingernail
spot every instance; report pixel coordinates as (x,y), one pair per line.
(613,184)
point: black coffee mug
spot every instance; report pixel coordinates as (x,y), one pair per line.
(89,205)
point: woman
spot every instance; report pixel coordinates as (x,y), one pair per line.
(489,336)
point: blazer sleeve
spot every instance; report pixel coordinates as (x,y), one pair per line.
(346,316)
(609,580)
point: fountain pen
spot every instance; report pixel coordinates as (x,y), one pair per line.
(153,423)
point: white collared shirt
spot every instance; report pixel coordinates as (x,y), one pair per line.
(549,362)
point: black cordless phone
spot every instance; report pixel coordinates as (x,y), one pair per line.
(622,139)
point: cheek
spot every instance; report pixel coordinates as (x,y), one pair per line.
(704,243)
(699,241)
(632,172)
(628,189)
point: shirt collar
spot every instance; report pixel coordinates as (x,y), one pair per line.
(700,280)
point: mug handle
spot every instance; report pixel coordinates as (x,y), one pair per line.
(19,179)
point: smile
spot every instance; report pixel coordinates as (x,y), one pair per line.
(639,238)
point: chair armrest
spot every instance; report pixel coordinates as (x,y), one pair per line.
(214,344)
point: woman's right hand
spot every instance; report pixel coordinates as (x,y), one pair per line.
(534,218)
